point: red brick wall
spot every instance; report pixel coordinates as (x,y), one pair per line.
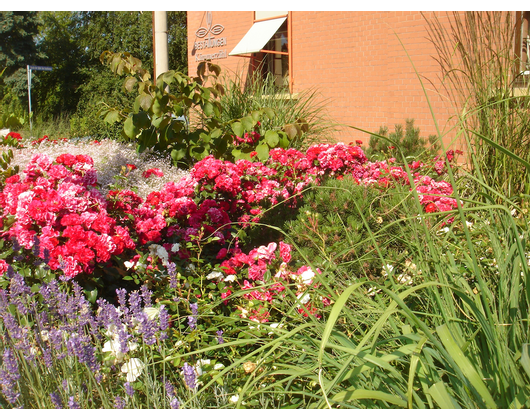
(356,60)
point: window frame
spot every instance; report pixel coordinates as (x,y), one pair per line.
(289,52)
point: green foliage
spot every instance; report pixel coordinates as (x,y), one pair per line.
(348,225)
(306,110)
(409,142)
(17,49)
(181,116)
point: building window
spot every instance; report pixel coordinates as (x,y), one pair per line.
(268,44)
(273,59)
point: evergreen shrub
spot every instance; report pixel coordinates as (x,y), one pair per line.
(343,224)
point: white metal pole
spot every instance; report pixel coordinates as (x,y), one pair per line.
(28,70)
(161,49)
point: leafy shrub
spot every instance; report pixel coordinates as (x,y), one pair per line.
(407,142)
(306,108)
(180,116)
(344,223)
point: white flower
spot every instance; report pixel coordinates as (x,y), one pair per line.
(128,264)
(160,252)
(152,312)
(214,275)
(113,345)
(303,299)
(175,247)
(404,279)
(190,267)
(230,278)
(307,276)
(387,268)
(469,224)
(218,366)
(133,368)
(234,399)
(372,291)
(44,335)
(200,363)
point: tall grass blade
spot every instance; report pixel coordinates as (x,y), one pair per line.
(465,365)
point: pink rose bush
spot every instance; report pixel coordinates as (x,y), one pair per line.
(56,208)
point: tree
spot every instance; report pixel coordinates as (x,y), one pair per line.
(72,43)
(17,49)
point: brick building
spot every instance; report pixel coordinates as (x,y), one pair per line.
(360,60)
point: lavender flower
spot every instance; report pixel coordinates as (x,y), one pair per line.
(190,378)
(72,404)
(9,376)
(10,271)
(170,389)
(172,272)
(146,295)
(56,400)
(192,322)
(119,403)
(36,246)
(194,307)
(147,328)
(163,318)
(220,339)
(174,404)
(81,347)
(129,389)
(46,255)
(135,303)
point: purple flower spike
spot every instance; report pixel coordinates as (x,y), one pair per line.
(72,404)
(129,389)
(56,400)
(119,403)
(189,376)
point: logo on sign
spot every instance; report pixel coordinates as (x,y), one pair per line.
(209,40)
(216,29)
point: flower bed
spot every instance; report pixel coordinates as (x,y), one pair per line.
(181,243)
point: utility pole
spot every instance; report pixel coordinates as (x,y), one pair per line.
(160,50)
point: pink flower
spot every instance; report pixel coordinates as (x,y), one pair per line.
(154,171)
(3,267)
(285,252)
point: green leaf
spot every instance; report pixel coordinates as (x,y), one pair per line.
(263,151)
(525,359)
(440,395)
(141,120)
(284,141)
(272,138)
(129,83)
(292,130)
(208,109)
(112,116)
(248,123)
(145,101)
(131,131)
(269,112)
(238,129)
(363,394)
(468,370)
